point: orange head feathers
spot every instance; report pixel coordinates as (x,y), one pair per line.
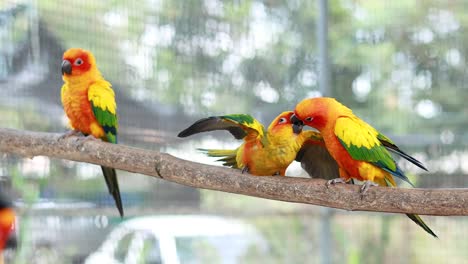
(77,62)
(316,112)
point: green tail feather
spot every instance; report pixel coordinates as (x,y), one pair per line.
(113,185)
(416,218)
(228,156)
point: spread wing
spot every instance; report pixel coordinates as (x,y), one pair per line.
(102,99)
(239,125)
(315,158)
(362,143)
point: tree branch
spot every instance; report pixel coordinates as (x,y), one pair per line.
(298,190)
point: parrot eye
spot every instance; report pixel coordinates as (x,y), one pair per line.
(78,62)
(308,119)
(282,120)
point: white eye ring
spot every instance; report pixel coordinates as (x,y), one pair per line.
(282,120)
(78,62)
(308,119)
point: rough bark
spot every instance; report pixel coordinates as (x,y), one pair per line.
(298,190)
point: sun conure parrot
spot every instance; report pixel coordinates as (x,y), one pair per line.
(7,219)
(266,153)
(362,152)
(89,102)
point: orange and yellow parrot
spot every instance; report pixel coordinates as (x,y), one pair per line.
(362,152)
(266,153)
(89,102)
(7,220)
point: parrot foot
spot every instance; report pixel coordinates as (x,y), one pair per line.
(245,170)
(277,173)
(366,186)
(334,181)
(87,138)
(92,138)
(81,140)
(70,133)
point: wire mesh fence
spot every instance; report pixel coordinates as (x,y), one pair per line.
(399,65)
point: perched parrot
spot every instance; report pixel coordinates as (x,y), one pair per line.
(266,153)
(362,153)
(89,102)
(7,219)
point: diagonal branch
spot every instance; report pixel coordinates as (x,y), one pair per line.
(298,190)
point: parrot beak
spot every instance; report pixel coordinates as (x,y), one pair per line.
(66,67)
(297,124)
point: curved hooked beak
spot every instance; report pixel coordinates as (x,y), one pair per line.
(297,124)
(66,67)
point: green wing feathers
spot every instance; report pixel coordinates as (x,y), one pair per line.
(361,142)
(239,125)
(108,121)
(242,119)
(247,122)
(102,99)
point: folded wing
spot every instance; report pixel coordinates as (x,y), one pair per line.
(315,158)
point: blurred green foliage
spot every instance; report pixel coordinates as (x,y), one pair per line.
(405,58)
(401,65)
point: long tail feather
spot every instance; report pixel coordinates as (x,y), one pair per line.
(417,219)
(393,148)
(113,185)
(414,217)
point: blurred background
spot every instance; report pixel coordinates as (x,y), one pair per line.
(400,65)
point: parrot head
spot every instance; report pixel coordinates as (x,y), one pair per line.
(282,124)
(76,62)
(313,112)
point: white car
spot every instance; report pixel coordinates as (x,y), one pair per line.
(175,239)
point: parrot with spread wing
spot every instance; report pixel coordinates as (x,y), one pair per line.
(362,152)
(266,153)
(89,102)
